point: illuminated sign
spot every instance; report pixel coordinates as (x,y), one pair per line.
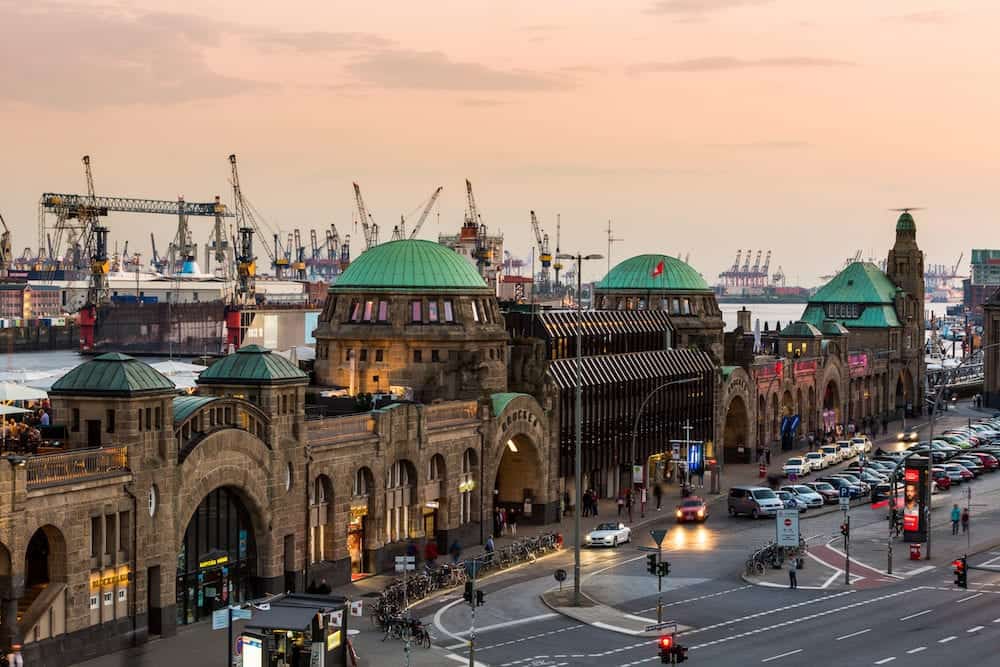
(359,511)
(467,485)
(221,560)
(333,640)
(914,492)
(695,458)
(911,475)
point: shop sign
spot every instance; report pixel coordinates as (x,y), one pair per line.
(211,562)
(359,511)
(432,504)
(637,474)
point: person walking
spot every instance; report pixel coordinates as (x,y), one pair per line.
(621,505)
(642,503)
(431,553)
(628,504)
(956,515)
(14,658)
(456,552)
(565,503)
(658,494)
(503,520)
(512,521)
(792,574)
(965,520)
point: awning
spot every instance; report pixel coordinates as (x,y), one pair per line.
(563,323)
(281,617)
(616,368)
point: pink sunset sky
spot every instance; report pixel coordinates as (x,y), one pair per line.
(696,126)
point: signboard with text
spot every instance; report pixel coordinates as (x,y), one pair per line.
(787,523)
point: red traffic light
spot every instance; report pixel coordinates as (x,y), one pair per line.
(666,641)
(958,564)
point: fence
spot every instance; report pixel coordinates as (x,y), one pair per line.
(74,466)
(456,411)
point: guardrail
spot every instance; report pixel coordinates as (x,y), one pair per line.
(331,427)
(456,411)
(73,466)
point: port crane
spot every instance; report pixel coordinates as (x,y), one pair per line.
(5,250)
(557,265)
(544,254)
(299,265)
(367,222)
(247,215)
(473,220)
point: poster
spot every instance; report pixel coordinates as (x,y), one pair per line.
(914,492)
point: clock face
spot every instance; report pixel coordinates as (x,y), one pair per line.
(152,500)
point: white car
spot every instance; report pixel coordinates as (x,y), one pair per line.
(608,535)
(817,460)
(832,454)
(796,466)
(862,444)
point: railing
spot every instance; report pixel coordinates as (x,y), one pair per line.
(455,411)
(77,465)
(333,427)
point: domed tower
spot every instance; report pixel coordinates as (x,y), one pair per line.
(905,268)
(413,315)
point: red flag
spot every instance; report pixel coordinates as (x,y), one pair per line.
(658,270)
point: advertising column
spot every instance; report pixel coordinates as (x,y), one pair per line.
(914,491)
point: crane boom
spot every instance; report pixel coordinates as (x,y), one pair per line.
(245,218)
(367,222)
(425,212)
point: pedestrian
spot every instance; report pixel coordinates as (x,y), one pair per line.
(621,505)
(792,575)
(642,502)
(658,494)
(456,552)
(512,521)
(431,553)
(490,546)
(965,520)
(593,502)
(14,658)
(503,520)
(497,524)
(628,504)
(565,502)
(956,515)
(45,419)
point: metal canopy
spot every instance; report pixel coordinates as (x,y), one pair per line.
(616,368)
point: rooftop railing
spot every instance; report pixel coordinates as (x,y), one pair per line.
(75,465)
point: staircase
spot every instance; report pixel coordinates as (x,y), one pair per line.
(41,611)
(30,595)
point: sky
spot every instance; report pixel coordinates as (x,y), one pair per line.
(694,126)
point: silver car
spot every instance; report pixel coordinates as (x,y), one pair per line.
(810,497)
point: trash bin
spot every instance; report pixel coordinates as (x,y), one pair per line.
(915,551)
(762,471)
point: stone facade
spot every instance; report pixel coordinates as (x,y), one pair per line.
(991,351)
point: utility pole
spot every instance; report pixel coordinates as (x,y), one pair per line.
(847,547)
(611,240)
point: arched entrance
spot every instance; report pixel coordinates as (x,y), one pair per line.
(357,527)
(518,479)
(44,560)
(831,406)
(904,391)
(761,421)
(736,432)
(401,498)
(811,410)
(217,561)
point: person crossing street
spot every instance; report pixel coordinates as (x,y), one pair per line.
(792,573)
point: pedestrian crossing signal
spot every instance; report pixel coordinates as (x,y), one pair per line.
(666,644)
(651,563)
(663,569)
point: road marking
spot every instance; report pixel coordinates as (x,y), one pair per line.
(437,621)
(700,597)
(968,598)
(916,650)
(507,624)
(885,660)
(782,655)
(975,629)
(997,620)
(919,613)
(647,621)
(770,611)
(615,628)
(926,568)
(833,578)
(854,634)
(462,658)
(947,639)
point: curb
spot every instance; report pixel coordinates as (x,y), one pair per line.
(614,616)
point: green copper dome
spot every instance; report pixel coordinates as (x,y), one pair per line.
(636,273)
(413,265)
(253,365)
(905,223)
(112,374)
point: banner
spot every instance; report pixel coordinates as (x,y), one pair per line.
(914,492)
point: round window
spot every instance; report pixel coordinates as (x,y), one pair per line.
(153,497)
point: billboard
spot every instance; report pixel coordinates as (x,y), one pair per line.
(914,492)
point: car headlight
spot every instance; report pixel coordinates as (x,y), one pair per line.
(701,513)
(587,539)
(680,514)
(900,436)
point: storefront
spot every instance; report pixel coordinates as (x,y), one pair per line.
(356,541)
(217,560)
(296,630)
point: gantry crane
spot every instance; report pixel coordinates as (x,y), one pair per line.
(367,222)
(299,265)
(5,250)
(243,257)
(544,255)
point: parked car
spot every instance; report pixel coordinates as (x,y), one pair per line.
(989,461)
(941,477)
(817,460)
(806,493)
(853,490)
(833,455)
(847,450)
(756,501)
(954,469)
(692,508)
(862,444)
(796,466)
(974,466)
(855,480)
(792,501)
(830,494)
(609,535)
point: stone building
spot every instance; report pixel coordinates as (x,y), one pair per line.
(991,351)
(854,359)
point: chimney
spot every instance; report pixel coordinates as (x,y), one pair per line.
(743,319)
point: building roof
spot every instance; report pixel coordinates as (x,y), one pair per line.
(185,406)
(612,369)
(252,364)
(905,223)
(832,328)
(860,282)
(411,264)
(113,374)
(800,329)
(636,273)
(502,400)
(561,323)
(875,316)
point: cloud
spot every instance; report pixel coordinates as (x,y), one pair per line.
(725,63)
(72,58)
(433,70)
(700,8)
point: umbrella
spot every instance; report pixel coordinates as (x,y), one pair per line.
(10,391)
(174,367)
(11,410)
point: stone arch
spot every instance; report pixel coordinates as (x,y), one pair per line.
(904,390)
(517,467)
(361,531)
(736,432)
(761,420)
(811,409)
(45,558)
(774,419)
(832,405)
(401,498)
(787,403)
(6,564)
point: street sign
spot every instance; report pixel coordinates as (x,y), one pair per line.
(404,563)
(660,626)
(220,619)
(845,492)
(241,614)
(658,535)
(787,523)
(560,575)
(357,608)
(845,503)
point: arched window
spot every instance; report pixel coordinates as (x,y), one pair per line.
(361,484)
(466,485)
(400,481)
(320,515)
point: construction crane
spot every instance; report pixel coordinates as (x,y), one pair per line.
(367,222)
(246,214)
(96,238)
(557,265)
(766,268)
(544,255)
(345,253)
(246,266)
(5,250)
(484,253)
(954,269)
(423,214)
(159,263)
(299,265)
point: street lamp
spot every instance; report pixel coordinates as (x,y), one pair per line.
(642,406)
(579,259)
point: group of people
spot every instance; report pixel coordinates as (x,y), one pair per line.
(21,437)
(959,516)
(505,521)
(589,507)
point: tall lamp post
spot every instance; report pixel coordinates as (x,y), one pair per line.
(579,259)
(642,406)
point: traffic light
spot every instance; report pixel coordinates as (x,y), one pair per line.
(845,529)
(480,598)
(666,644)
(961,572)
(467,595)
(664,569)
(651,563)
(680,653)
